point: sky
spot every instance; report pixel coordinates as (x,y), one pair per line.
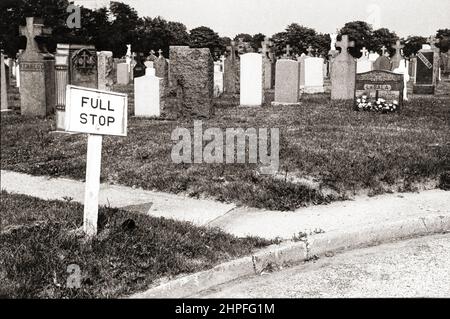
(230,17)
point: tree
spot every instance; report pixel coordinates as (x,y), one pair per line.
(256,41)
(413,44)
(361,33)
(204,37)
(12,16)
(123,28)
(444,39)
(383,37)
(244,36)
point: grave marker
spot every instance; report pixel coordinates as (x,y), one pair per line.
(343,74)
(251,80)
(287,82)
(37,72)
(379,91)
(424,82)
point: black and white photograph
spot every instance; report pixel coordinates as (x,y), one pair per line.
(241,150)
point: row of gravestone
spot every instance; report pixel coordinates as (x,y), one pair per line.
(187,89)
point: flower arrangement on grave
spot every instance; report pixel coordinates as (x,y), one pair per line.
(364,103)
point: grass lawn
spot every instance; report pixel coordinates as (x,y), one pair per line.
(36,248)
(326,153)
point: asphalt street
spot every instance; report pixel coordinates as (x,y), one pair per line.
(417,267)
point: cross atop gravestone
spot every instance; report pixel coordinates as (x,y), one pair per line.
(384,50)
(398,46)
(364,52)
(310,49)
(31,31)
(288,51)
(265,46)
(344,44)
(160,53)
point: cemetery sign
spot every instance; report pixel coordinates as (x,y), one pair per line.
(96,112)
(379,91)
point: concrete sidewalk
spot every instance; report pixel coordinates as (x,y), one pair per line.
(337,218)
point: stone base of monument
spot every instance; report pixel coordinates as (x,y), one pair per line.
(313,89)
(423,89)
(275,104)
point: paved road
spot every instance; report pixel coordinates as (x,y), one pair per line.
(413,268)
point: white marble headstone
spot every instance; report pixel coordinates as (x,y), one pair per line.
(147,95)
(251,80)
(313,72)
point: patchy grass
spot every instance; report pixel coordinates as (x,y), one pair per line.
(327,152)
(131,251)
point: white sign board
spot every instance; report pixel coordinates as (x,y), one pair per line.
(96,112)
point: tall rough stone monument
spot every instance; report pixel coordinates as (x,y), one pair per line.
(231,71)
(191,82)
(343,75)
(37,72)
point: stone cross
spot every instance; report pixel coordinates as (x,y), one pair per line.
(364,51)
(310,49)
(265,46)
(30,31)
(288,50)
(344,44)
(383,50)
(232,49)
(160,53)
(398,46)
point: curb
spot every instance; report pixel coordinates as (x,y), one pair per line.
(275,257)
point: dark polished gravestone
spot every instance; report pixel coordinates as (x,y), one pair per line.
(424,80)
(37,71)
(379,91)
(139,68)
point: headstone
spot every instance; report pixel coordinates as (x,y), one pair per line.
(287,82)
(83,66)
(380,91)
(218,79)
(412,66)
(268,65)
(37,72)
(436,60)
(251,80)
(191,79)
(139,68)
(310,50)
(18,68)
(128,57)
(363,63)
(75,64)
(3,86)
(152,57)
(105,70)
(123,77)
(231,74)
(313,75)
(424,82)
(162,71)
(403,69)
(147,95)
(343,72)
(383,63)
(288,50)
(132,65)
(395,61)
(373,56)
